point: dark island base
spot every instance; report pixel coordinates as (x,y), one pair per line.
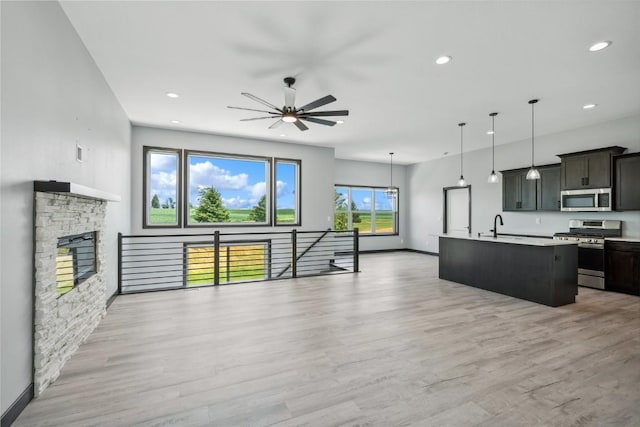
(543,274)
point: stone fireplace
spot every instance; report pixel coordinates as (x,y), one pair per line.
(63,319)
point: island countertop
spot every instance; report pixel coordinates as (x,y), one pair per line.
(531,241)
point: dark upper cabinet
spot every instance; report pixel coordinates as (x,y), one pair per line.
(548,191)
(622,267)
(627,182)
(518,193)
(588,169)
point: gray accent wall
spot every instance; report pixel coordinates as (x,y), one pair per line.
(53,97)
(426,180)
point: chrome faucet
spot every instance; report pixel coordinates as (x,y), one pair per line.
(495,225)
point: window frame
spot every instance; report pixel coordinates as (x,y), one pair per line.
(298,193)
(268,177)
(146,182)
(372,211)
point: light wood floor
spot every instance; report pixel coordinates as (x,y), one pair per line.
(391,346)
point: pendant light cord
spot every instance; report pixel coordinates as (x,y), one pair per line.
(391,171)
(493,143)
(461,149)
(532,102)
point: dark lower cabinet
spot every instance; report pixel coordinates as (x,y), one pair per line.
(622,267)
(627,179)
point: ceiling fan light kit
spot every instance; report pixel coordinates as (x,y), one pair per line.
(290,114)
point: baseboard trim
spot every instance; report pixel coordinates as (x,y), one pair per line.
(422,252)
(111,299)
(377,251)
(17,407)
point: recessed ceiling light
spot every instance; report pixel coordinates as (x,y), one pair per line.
(589,106)
(282,134)
(490,132)
(599,46)
(443,60)
(339,122)
(172,95)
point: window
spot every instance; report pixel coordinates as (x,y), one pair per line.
(366,208)
(162,187)
(287,199)
(196,189)
(227,190)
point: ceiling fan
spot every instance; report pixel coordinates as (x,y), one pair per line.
(290,114)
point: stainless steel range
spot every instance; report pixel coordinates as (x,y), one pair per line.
(590,235)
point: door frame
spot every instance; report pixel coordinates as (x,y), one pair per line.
(444,206)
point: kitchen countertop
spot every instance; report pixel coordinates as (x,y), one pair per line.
(531,241)
(622,239)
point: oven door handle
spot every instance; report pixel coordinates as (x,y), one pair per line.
(591,245)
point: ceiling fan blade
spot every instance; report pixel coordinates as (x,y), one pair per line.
(318,121)
(289,97)
(276,124)
(261,101)
(253,109)
(300,125)
(318,103)
(256,118)
(326,113)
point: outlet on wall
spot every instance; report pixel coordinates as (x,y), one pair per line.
(538,220)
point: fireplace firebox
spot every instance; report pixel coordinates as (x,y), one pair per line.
(75,260)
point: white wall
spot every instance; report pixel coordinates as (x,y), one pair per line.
(426,180)
(316,174)
(53,96)
(350,172)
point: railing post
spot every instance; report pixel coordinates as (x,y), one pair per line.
(119,263)
(216,257)
(294,253)
(356,250)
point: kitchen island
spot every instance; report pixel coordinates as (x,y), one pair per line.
(544,271)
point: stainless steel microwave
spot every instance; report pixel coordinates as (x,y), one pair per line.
(592,200)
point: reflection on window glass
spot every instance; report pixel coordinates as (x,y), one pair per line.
(367,209)
(287,173)
(162,189)
(385,216)
(227,190)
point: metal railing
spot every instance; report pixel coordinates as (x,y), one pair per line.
(178,261)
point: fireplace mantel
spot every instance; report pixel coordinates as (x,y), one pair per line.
(74,190)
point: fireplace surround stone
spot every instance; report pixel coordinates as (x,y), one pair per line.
(62,323)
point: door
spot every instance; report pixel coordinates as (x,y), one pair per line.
(549,189)
(599,170)
(573,172)
(627,179)
(457,210)
(510,191)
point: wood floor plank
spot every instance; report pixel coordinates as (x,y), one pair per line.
(392,345)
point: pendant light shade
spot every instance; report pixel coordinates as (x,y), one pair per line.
(533,171)
(493,177)
(391,191)
(461,181)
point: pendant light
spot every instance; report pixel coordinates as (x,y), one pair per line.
(391,191)
(493,178)
(461,181)
(533,172)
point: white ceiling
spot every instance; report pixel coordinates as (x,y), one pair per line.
(377,59)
